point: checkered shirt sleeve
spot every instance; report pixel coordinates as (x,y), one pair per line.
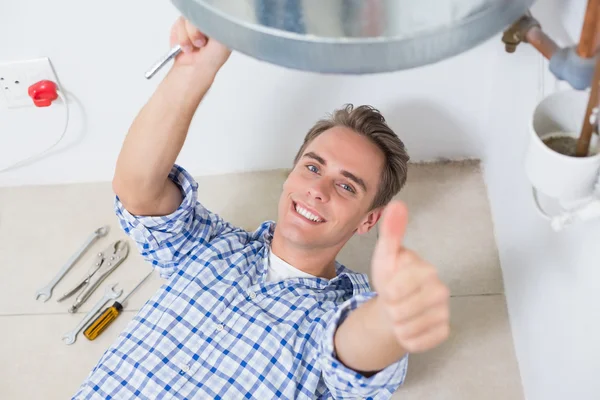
(164,240)
(345,383)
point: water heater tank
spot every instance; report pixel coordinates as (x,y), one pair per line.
(351,36)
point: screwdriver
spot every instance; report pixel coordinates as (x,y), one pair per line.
(109,315)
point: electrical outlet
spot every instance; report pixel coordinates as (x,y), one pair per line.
(17,76)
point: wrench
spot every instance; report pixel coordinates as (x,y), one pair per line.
(161,63)
(46,292)
(109,294)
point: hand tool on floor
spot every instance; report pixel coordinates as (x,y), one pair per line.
(107,261)
(110,314)
(46,292)
(160,63)
(109,294)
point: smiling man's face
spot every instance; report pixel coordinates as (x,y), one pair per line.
(328,195)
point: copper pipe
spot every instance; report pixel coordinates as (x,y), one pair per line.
(527,29)
(541,42)
(583,143)
(597,40)
(586,49)
(587,41)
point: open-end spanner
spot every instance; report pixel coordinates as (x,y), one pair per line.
(109,294)
(46,292)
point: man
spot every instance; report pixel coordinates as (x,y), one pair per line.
(270,313)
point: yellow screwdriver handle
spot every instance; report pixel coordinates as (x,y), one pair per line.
(103,321)
(109,315)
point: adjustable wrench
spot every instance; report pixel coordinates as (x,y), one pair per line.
(46,292)
(109,294)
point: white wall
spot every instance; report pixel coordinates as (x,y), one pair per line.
(477,104)
(100,52)
(552,279)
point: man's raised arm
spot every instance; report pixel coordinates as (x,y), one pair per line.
(159,130)
(409,314)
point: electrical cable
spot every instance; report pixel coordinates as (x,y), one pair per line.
(19,164)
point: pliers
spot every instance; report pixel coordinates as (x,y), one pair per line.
(106,262)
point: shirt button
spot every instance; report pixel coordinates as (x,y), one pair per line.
(185,368)
(220,327)
(252,295)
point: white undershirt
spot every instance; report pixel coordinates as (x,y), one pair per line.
(279,270)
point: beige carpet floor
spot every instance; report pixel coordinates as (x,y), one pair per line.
(450,225)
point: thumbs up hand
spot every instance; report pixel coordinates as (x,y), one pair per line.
(411,297)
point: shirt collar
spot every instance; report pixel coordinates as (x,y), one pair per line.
(346,278)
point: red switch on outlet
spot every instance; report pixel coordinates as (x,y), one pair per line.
(43,93)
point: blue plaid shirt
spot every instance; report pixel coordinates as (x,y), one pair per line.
(216,329)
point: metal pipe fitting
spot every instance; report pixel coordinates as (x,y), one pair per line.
(527,29)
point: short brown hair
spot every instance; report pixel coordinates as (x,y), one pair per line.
(368,121)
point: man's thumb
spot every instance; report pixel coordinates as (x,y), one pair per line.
(392,228)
